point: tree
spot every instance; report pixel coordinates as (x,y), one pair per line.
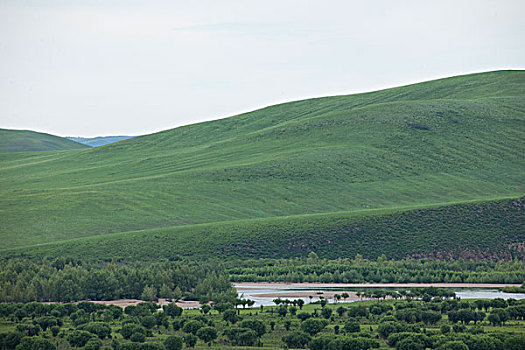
(79,338)
(300,303)
(345,295)
(230,316)
(165,292)
(352,326)
(296,340)
(454,345)
(190,340)
(207,334)
(516,342)
(55,330)
(192,326)
(35,343)
(100,329)
(326,312)
(12,339)
(131,328)
(257,326)
(177,293)
(93,344)
(205,308)
(46,321)
(172,310)
(283,310)
(148,322)
(340,311)
(313,326)
(148,294)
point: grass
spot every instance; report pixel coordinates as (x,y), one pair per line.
(268,173)
(470,230)
(31,141)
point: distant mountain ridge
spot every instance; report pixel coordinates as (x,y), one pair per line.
(99,140)
(13,141)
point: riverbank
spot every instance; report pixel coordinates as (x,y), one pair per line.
(304,285)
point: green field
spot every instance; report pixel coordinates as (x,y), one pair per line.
(429,168)
(30,141)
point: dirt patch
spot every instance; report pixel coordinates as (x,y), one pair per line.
(127,302)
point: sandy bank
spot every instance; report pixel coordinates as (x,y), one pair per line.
(249,285)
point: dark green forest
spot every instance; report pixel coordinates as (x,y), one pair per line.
(67,279)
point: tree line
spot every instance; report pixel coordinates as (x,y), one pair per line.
(381,270)
(64,280)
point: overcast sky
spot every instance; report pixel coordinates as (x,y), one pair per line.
(124,67)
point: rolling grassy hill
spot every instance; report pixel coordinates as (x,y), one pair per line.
(375,158)
(98,141)
(31,141)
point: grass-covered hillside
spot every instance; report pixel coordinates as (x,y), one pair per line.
(99,140)
(364,161)
(31,141)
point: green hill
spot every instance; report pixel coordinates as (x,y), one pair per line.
(31,141)
(441,142)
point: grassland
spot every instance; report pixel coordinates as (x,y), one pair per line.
(336,175)
(31,141)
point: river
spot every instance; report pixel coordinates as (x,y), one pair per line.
(265,293)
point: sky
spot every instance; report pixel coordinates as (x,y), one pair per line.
(125,67)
